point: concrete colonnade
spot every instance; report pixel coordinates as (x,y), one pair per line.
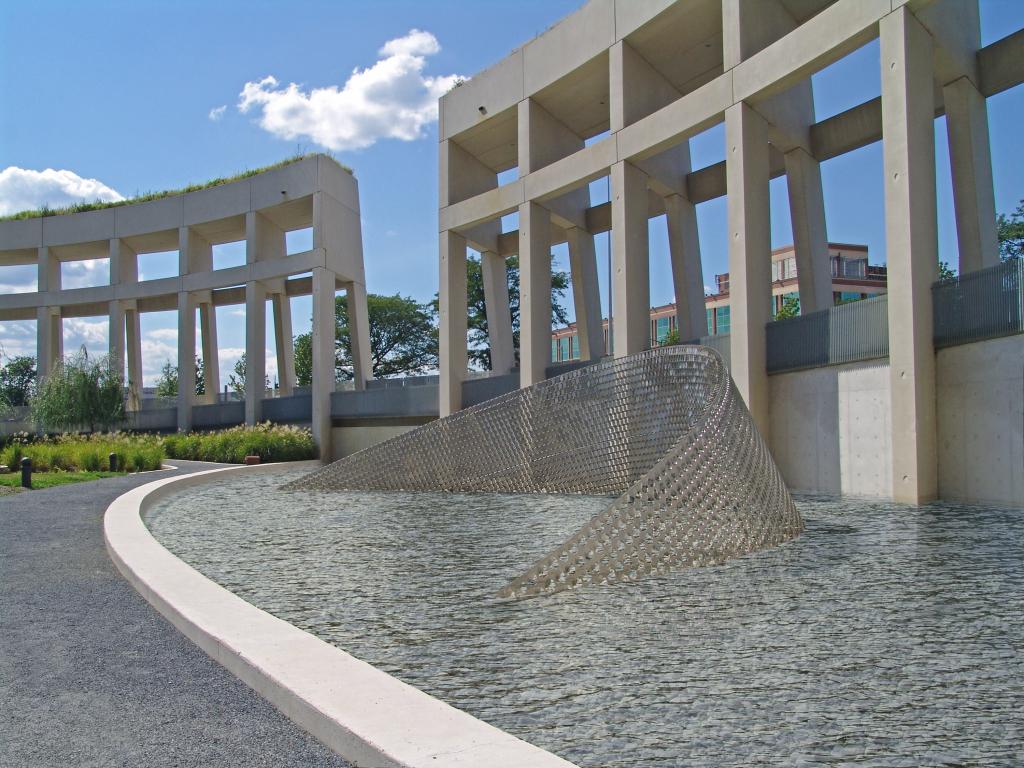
(652,76)
(313,193)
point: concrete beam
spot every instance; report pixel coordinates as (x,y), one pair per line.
(186,361)
(687,270)
(324,285)
(255,350)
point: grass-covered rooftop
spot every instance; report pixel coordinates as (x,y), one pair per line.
(99,204)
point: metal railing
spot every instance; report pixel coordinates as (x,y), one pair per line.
(842,334)
(979,305)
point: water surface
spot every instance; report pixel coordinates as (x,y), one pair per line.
(885,635)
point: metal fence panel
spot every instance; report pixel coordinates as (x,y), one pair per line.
(980,305)
(842,334)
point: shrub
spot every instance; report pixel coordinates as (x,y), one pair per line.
(269,442)
(70,453)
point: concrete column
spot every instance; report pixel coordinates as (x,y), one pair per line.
(133,352)
(195,254)
(49,330)
(283,344)
(211,357)
(462,175)
(255,350)
(687,271)
(49,340)
(534,293)
(970,161)
(359,332)
(543,139)
(908,148)
(453,320)
(115,335)
(186,360)
(123,269)
(810,240)
(324,282)
(264,240)
(48,278)
(586,293)
(746,167)
(499,318)
(631,283)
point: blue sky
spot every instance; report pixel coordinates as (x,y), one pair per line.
(122,93)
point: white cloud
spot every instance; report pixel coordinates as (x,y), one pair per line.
(390,99)
(24,189)
(217,112)
(78,331)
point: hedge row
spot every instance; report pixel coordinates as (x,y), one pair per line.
(81,453)
(269,442)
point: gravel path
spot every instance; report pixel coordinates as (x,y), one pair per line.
(91,675)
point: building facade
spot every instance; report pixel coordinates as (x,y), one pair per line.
(853,278)
(313,192)
(619,87)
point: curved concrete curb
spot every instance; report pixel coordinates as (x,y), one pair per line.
(362,713)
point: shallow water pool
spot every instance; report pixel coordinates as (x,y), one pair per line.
(885,635)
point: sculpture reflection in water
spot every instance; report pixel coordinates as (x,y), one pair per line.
(665,431)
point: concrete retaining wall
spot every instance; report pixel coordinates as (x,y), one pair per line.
(830,429)
(980,390)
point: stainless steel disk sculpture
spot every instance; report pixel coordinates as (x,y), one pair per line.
(664,430)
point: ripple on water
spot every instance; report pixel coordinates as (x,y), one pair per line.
(885,635)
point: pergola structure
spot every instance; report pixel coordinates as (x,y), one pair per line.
(619,87)
(313,192)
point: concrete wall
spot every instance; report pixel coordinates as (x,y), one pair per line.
(351,439)
(980,391)
(830,429)
(830,426)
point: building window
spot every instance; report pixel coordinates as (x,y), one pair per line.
(711,321)
(563,348)
(574,347)
(721,321)
(554,351)
(661,329)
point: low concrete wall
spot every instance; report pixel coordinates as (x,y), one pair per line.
(365,715)
(980,390)
(830,429)
(347,440)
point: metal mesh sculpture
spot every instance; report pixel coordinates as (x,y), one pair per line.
(664,430)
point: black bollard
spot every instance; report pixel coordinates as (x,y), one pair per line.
(26,473)
(113,462)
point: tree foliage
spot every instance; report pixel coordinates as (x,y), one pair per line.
(18,381)
(479,339)
(403,340)
(81,392)
(790,308)
(1010,231)
(236,379)
(167,384)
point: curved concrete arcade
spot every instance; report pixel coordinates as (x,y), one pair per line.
(312,192)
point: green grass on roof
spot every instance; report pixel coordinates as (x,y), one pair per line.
(143,198)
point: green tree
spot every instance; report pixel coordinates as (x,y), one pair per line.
(167,384)
(946,272)
(671,338)
(403,340)
(18,380)
(236,379)
(790,308)
(1010,231)
(81,392)
(479,344)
